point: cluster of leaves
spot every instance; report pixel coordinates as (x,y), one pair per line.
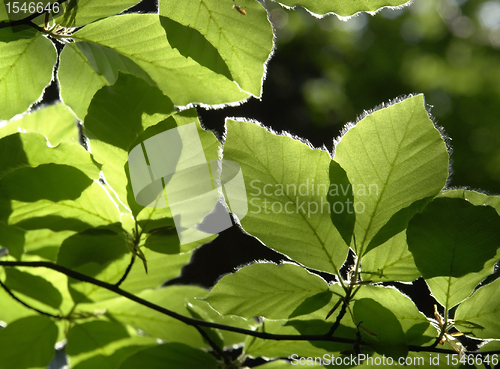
(72,231)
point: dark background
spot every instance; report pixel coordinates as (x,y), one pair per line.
(326,72)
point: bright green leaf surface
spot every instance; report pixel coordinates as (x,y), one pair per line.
(455,245)
(27,343)
(103,344)
(343,8)
(98,65)
(86,11)
(243,42)
(451,237)
(31,149)
(56,122)
(172,355)
(414,324)
(141,38)
(25,69)
(341,199)
(32,286)
(391,261)
(154,323)
(292,216)
(393,157)
(269,290)
(390,339)
(482,309)
(45,243)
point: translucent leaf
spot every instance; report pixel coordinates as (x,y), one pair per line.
(56,122)
(391,261)
(25,69)
(27,342)
(141,38)
(269,290)
(98,65)
(286,186)
(478,315)
(389,338)
(243,42)
(45,243)
(414,324)
(81,12)
(174,355)
(31,149)
(24,284)
(454,244)
(156,324)
(393,158)
(343,8)
(102,344)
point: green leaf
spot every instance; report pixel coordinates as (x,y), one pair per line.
(257,347)
(173,355)
(45,243)
(27,343)
(25,69)
(92,209)
(82,12)
(141,38)
(269,290)
(454,244)
(244,43)
(343,8)
(103,344)
(393,158)
(153,323)
(56,122)
(289,216)
(391,261)
(478,315)
(96,64)
(414,324)
(31,149)
(341,199)
(13,239)
(389,338)
(32,286)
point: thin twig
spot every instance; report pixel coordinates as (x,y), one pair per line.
(7,289)
(202,323)
(127,271)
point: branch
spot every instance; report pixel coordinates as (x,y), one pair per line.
(202,323)
(127,271)
(7,289)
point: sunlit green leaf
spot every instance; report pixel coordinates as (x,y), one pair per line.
(56,122)
(454,244)
(13,239)
(81,12)
(393,157)
(242,42)
(391,261)
(286,185)
(25,69)
(103,344)
(27,342)
(478,315)
(141,38)
(174,355)
(388,337)
(269,290)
